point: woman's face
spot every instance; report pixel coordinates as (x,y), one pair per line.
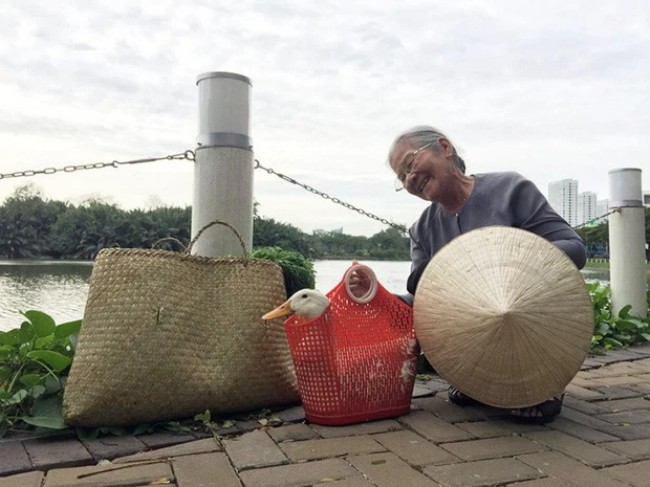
(426,173)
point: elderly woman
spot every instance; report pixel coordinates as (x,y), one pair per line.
(427,165)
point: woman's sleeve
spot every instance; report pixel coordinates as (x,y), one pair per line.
(532,212)
(419,261)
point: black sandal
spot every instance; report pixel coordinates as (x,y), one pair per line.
(459,398)
(545,412)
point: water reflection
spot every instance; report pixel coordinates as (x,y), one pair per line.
(59,288)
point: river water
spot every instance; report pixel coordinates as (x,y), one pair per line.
(60,288)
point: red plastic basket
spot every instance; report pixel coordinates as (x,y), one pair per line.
(356,362)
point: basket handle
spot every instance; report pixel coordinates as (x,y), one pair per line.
(169,239)
(218,222)
(361,270)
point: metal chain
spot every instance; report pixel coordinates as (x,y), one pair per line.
(588,222)
(333,199)
(188,154)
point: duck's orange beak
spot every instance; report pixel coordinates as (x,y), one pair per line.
(283,310)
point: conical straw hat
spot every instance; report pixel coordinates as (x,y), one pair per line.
(504,316)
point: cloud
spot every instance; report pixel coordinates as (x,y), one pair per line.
(552,90)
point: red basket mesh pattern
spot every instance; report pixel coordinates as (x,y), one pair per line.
(355,362)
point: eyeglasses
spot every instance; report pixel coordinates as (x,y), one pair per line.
(407,165)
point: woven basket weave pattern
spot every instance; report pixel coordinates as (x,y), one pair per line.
(168,335)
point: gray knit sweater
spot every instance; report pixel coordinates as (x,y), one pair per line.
(505,198)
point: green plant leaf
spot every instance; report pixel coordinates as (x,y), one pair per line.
(18,397)
(12,337)
(47,412)
(143,428)
(66,329)
(57,361)
(31,379)
(27,332)
(625,311)
(43,323)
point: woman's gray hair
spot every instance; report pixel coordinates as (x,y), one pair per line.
(422,135)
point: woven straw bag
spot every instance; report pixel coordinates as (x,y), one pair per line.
(168,335)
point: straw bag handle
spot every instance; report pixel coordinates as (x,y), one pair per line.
(218,222)
(169,239)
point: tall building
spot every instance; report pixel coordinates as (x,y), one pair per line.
(563,197)
(587,207)
(602,207)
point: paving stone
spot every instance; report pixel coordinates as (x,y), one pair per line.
(493,429)
(108,475)
(436,385)
(635,474)
(582,406)
(110,447)
(622,380)
(161,439)
(420,391)
(618,405)
(57,451)
(628,417)
(191,448)
(205,470)
(630,432)
(433,428)
(291,415)
(482,473)
(632,449)
(613,356)
(28,479)
(387,470)
(617,392)
(247,425)
(13,458)
(414,449)
(450,412)
(300,474)
(357,429)
(292,432)
(590,421)
(299,451)
(585,452)
(583,393)
(349,482)
(580,431)
(492,448)
(547,482)
(254,449)
(558,466)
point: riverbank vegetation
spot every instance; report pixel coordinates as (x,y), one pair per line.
(34,227)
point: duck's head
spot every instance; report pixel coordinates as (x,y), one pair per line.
(308,303)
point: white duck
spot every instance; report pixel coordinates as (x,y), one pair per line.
(308,303)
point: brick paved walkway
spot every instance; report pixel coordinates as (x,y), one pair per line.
(602,438)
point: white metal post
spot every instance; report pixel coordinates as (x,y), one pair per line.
(223,170)
(627,272)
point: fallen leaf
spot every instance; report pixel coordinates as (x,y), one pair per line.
(161,481)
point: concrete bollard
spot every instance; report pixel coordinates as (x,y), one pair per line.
(223,170)
(627,272)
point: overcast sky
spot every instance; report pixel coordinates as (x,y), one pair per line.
(552,90)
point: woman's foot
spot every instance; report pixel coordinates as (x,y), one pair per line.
(539,414)
(460,399)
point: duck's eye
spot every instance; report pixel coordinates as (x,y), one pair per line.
(304,296)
